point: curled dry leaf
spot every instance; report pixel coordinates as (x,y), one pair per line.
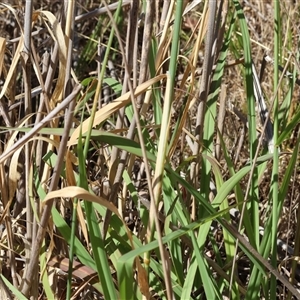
(12,67)
(106,111)
(15,13)
(14,175)
(78,192)
(59,37)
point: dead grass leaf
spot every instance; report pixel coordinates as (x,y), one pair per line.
(58,35)
(2,51)
(14,175)
(80,193)
(12,67)
(106,111)
(143,279)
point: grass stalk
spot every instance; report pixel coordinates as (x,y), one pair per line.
(163,141)
(274,177)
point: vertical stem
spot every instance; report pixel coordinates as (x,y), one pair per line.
(69,33)
(26,55)
(274,179)
(163,144)
(207,65)
(37,243)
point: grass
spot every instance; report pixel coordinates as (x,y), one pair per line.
(134,162)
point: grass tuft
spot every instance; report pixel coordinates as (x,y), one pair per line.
(149,150)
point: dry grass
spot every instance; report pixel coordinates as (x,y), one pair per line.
(44,91)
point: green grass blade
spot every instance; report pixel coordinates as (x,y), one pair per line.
(253,193)
(275,169)
(15,291)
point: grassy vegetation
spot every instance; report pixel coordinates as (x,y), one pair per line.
(139,158)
